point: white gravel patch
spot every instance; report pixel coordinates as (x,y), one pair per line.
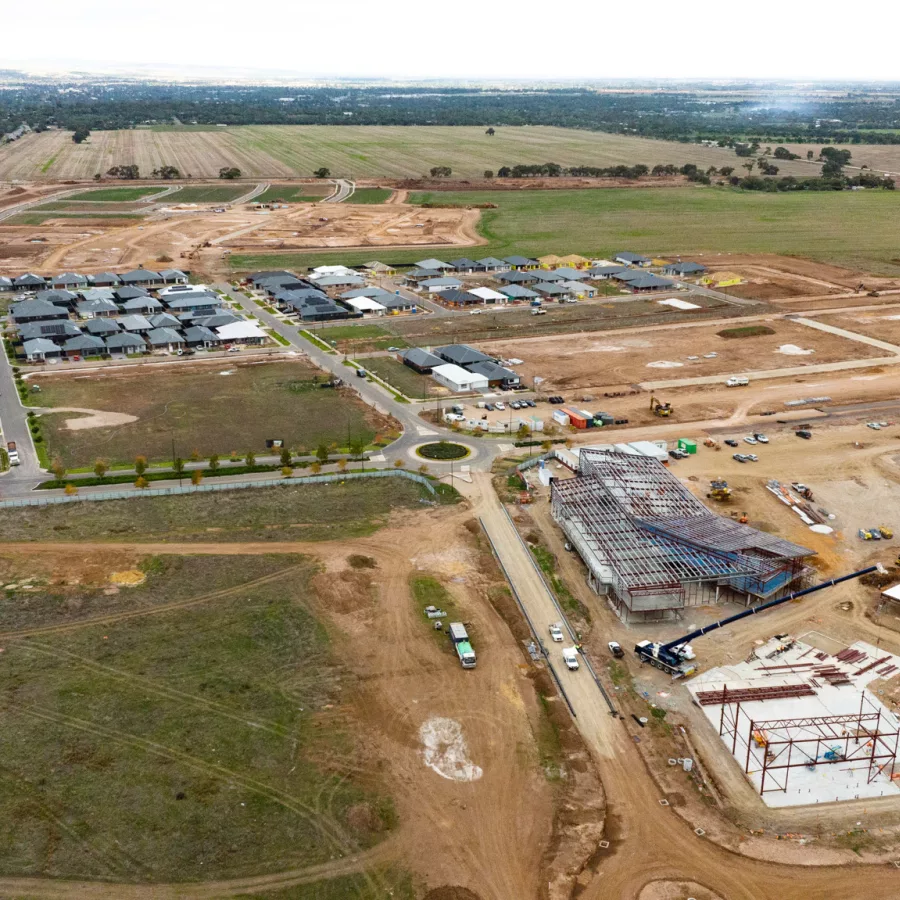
(664,364)
(793,350)
(445,750)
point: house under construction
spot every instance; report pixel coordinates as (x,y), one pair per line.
(653,549)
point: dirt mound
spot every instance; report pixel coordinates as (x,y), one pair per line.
(130,577)
(451,892)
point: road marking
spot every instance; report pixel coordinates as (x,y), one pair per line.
(424,431)
(504,448)
(378,457)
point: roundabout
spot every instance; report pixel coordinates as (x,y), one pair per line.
(443,451)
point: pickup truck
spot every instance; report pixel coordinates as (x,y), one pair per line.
(570,657)
(13,453)
(556,632)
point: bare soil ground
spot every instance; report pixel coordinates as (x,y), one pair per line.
(585,362)
(883,325)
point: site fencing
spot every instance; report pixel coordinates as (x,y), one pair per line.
(208,488)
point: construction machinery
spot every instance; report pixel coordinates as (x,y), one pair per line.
(719,490)
(670,657)
(658,408)
(712,443)
(886,533)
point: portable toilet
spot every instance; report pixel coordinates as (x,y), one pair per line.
(687,445)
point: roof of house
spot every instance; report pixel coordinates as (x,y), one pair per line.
(101,326)
(332,270)
(60,296)
(364,292)
(576,286)
(465,263)
(338,280)
(628,256)
(34,309)
(441,282)
(70,278)
(292,294)
(457,374)
(222,318)
(240,330)
(99,304)
(422,358)
(29,278)
(492,371)
(517,292)
(396,301)
(164,336)
(198,334)
(685,268)
(164,320)
(491,262)
(138,275)
(573,259)
(124,339)
(569,274)
(141,303)
(545,276)
(57,328)
(650,280)
(518,277)
(199,300)
(39,345)
(135,322)
(595,271)
(269,273)
(130,292)
(461,354)
(375,266)
(168,274)
(100,293)
(550,289)
(84,343)
(109,277)
(424,273)
(455,296)
(629,275)
(432,263)
(365,304)
(520,261)
(487,293)
(6,282)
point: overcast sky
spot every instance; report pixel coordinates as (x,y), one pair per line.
(465,39)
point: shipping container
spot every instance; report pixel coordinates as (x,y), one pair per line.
(687,445)
(576,418)
(559,417)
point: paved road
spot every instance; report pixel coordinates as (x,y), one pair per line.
(14,423)
(344,189)
(255,192)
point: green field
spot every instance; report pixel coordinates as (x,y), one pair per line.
(203,410)
(292,511)
(295,193)
(118,194)
(39,218)
(370,195)
(183,744)
(216,193)
(354,339)
(860,229)
(403,378)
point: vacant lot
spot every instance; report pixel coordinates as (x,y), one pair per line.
(884,326)
(81,218)
(189,743)
(576,362)
(403,378)
(205,408)
(354,339)
(283,151)
(118,194)
(370,195)
(295,193)
(293,511)
(208,193)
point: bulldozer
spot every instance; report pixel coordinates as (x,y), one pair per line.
(658,408)
(719,490)
(712,443)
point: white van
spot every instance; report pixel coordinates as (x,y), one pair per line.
(570,657)
(737,381)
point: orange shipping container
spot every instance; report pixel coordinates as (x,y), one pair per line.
(575,418)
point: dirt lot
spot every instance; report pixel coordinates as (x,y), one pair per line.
(882,325)
(582,362)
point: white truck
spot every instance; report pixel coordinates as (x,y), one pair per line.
(570,657)
(12,453)
(464,651)
(737,381)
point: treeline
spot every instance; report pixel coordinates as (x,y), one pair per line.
(675,115)
(790,183)
(554,170)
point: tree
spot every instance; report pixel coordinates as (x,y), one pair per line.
(229,172)
(178,466)
(58,469)
(322,453)
(97,176)
(287,471)
(547,446)
(315,468)
(342,464)
(195,455)
(490,132)
(488,173)
(522,432)
(809,154)
(250,458)
(749,166)
(398,463)
(441,171)
(784,153)
(196,477)
(322,173)
(423,469)
(726,170)
(165,172)
(128,173)
(140,464)
(141,482)
(504,172)
(81,135)
(357,448)
(285,456)
(100,468)
(70,489)
(214,463)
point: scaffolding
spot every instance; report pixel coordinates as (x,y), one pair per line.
(658,548)
(775,746)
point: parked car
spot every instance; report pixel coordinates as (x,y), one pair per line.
(731,442)
(752,457)
(875,426)
(739,457)
(616,649)
(678,454)
(749,440)
(865,535)
(761,438)
(876,534)
(806,435)
(556,632)
(490,407)
(394,349)
(500,405)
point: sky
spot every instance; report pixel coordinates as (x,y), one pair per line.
(471,39)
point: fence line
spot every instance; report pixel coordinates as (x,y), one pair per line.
(207,488)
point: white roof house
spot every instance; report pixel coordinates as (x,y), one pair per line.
(366,304)
(489,295)
(457,379)
(318,271)
(176,289)
(240,331)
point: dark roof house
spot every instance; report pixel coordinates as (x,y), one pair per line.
(421,360)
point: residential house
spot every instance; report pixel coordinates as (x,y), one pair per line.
(372,292)
(141,278)
(242,332)
(220,318)
(162,320)
(61,298)
(102,327)
(492,264)
(36,311)
(489,295)
(680,269)
(315,308)
(40,349)
(196,303)
(200,336)
(516,292)
(461,354)
(5,283)
(438,264)
(257,277)
(458,299)
(420,360)
(521,262)
(277,283)
(650,282)
(101,293)
(627,258)
(497,375)
(85,345)
(415,275)
(516,277)
(604,273)
(130,292)
(434,285)
(551,291)
(579,289)
(58,331)
(88,309)
(173,276)
(165,339)
(457,379)
(397,303)
(377,268)
(466,265)
(145,306)
(136,323)
(338,281)
(69,281)
(285,300)
(366,306)
(29,282)
(105,279)
(125,343)
(568,274)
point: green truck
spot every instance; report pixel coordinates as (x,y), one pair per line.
(464,651)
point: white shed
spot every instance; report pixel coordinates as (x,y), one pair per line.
(457,379)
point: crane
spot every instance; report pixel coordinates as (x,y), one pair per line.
(670,656)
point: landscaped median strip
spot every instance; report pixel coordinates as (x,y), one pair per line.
(318,343)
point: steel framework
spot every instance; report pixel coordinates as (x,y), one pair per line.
(775,746)
(658,539)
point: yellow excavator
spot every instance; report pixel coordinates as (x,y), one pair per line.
(658,408)
(719,490)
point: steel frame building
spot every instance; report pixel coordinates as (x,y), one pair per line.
(654,549)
